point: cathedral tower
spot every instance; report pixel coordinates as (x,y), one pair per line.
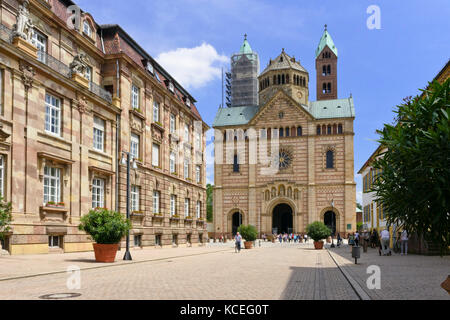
(326,68)
(244,77)
(284,73)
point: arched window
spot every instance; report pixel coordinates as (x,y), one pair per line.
(304,82)
(329,87)
(287,132)
(283,79)
(318,130)
(324,129)
(281,132)
(329,69)
(340,129)
(334,129)
(329,129)
(324,88)
(330,159)
(274,80)
(235,163)
(324,71)
(279,79)
(299,131)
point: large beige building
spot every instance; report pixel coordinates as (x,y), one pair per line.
(288,161)
(74,96)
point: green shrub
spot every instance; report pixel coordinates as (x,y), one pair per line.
(5,218)
(249,233)
(104,226)
(318,231)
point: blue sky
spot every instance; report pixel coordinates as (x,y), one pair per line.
(192,39)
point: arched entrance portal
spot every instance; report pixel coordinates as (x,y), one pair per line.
(283,220)
(329,219)
(236,222)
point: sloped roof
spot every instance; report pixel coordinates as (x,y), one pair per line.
(234,116)
(326,40)
(245,48)
(284,61)
(327,109)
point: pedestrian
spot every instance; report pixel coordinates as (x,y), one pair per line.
(279,238)
(339,239)
(365,239)
(404,241)
(385,242)
(351,239)
(357,238)
(237,240)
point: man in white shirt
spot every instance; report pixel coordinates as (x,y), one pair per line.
(404,242)
(385,241)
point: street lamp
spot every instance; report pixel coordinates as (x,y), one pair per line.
(332,224)
(128,160)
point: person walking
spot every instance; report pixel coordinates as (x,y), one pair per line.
(404,242)
(339,239)
(237,240)
(357,238)
(385,236)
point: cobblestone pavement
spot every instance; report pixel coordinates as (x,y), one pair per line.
(402,277)
(272,271)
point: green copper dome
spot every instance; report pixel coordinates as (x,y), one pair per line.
(245,48)
(326,40)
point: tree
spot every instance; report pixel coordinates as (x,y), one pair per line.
(5,218)
(359,206)
(414,184)
(209,202)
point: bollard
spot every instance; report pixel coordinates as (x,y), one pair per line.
(356,253)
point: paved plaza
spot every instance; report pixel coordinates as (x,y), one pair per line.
(267,272)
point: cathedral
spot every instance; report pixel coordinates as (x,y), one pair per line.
(283,161)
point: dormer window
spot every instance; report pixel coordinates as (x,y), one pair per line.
(171,87)
(188,102)
(150,67)
(87,28)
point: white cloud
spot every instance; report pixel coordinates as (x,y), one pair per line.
(359,197)
(193,67)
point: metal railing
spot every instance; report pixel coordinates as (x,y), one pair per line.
(5,33)
(99,91)
(54,64)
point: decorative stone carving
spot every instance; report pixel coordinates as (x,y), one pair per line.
(83,105)
(3,135)
(28,74)
(24,26)
(79,64)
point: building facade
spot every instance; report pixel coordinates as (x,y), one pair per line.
(74,96)
(287,162)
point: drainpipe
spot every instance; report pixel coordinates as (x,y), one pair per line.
(118,129)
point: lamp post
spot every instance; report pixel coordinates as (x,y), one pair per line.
(127,159)
(332,224)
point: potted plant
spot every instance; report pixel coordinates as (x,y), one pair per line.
(249,233)
(318,231)
(107,229)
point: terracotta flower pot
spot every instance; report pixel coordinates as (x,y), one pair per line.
(105,252)
(318,245)
(248,244)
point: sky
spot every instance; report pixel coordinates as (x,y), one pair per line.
(194,39)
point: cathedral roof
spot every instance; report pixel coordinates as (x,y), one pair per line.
(330,109)
(326,40)
(245,48)
(323,109)
(284,61)
(234,116)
